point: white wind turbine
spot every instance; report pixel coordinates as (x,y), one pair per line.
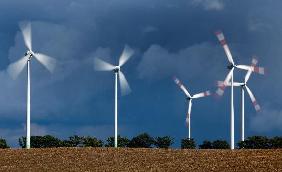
(190,98)
(229,76)
(101,65)
(244,87)
(15,69)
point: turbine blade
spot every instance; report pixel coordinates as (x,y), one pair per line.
(223,43)
(244,67)
(178,82)
(203,94)
(228,76)
(247,76)
(101,65)
(15,68)
(46,61)
(189,112)
(253,99)
(125,89)
(126,54)
(26,31)
(221,88)
(259,70)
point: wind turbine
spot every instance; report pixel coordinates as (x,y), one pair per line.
(17,67)
(229,76)
(190,98)
(101,65)
(244,87)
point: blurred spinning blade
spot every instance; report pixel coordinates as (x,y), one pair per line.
(15,68)
(101,65)
(46,61)
(125,88)
(126,54)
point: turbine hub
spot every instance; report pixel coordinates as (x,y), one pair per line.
(29,53)
(117,69)
(230,66)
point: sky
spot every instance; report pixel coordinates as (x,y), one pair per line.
(170,38)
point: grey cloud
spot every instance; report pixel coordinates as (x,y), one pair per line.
(209,4)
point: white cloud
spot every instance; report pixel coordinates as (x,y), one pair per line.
(197,61)
(209,4)
(267,120)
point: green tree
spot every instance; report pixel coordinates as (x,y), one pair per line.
(47,141)
(255,142)
(188,143)
(92,142)
(73,141)
(163,142)
(3,144)
(276,142)
(143,140)
(122,141)
(220,144)
(206,145)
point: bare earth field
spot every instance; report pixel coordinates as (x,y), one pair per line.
(121,159)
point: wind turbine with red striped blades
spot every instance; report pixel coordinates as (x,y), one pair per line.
(190,98)
(244,87)
(229,77)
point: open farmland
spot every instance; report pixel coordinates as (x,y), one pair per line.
(121,159)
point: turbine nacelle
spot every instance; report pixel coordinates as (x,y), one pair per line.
(116,69)
(29,53)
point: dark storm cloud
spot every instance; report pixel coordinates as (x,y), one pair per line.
(169,37)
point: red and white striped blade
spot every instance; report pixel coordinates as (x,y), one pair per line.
(260,70)
(222,41)
(203,94)
(178,82)
(253,99)
(250,71)
(244,67)
(228,77)
(101,65)
(254,61)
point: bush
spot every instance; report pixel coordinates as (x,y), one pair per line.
(163,142)
(206,145)
(92,142)
(220,144)
(3,144)
(188,144)
(255,142)
(47,141)
(276,142)
(122,141)
(141,141)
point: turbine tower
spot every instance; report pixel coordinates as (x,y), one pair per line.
(15,69)
(101,65)
(229,76)
(190,98)
(244,87)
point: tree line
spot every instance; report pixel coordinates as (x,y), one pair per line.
(144,140)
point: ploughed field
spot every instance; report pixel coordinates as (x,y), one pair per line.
(125,159)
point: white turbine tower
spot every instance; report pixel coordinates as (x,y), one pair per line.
(231,67)
(244,87)
(190,98)
(15,69)
(101,65)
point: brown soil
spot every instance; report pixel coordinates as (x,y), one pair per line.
(121,159)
